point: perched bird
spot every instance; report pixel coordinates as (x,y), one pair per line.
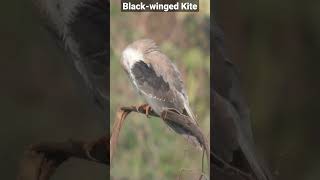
(232,134)
(158,80)
(80,28)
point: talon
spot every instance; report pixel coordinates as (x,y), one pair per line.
(147,109)
(137,108)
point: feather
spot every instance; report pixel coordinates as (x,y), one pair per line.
(158,81)
(70,22)
(232,124)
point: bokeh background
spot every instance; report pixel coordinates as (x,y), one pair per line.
(274,43)
(147,149)
(41,97)
(276,46)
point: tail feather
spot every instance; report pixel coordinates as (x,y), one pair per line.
(180,130)
(190,113)
(260,171)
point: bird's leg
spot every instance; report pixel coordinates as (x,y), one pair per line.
(146,108)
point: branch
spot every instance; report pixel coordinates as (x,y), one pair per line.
(41,161)
(180,119)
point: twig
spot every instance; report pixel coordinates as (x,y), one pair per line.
(120,117)
(40,161)
(180,119)
(183,121)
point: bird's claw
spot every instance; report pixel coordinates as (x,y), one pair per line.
(147,109)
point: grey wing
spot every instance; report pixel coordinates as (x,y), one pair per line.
(170,73)
(231,113)
(82,32)
(154,88)
(159,95)
(227,82)
(89,31)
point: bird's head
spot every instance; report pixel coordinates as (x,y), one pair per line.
(136,51)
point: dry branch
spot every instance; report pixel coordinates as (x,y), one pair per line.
(173,116)
(40,161)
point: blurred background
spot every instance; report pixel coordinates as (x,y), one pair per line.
(274,43)
(147,149)
(40,99)
(276,46)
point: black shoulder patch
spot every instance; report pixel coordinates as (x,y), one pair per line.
(147,78)
(155,87)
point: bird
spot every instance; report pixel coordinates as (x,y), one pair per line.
(156,78)
(232,135)
(80,28)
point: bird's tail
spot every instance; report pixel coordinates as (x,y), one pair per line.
(190,113)
(199,141)
(185,133)
(192,139)
(258,167)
